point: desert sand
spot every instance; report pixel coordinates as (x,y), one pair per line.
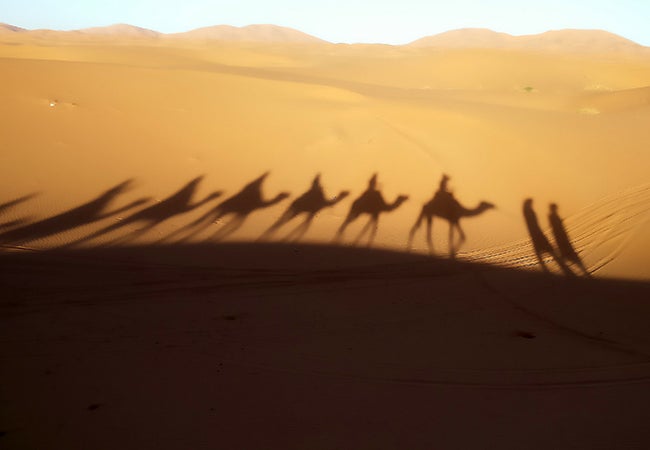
(150,302)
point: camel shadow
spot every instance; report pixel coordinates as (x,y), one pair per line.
(176,204)
(309,204)
(239,206)
(445,206)
(88,213)
(540,243)
(565,249)
(370,203)
(4,207)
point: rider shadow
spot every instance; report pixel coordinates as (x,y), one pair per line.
(562,241)
(372,203)
(88,213)
(445,206)
(309,204)
(239,206)
(541,244)
(5,207)
(174,205)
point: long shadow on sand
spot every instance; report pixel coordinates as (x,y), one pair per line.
(93,211)
(541,244)
(445,206)
(564,247)
(239,207)
(310,203)
(371,202)
(5,207)
(176,204)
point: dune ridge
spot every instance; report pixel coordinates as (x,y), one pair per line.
(555,40)
(565,40)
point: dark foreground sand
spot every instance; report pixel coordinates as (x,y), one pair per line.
(260,346)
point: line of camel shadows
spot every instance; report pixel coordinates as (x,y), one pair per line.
(233,212)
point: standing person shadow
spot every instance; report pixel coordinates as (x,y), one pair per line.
(174,205)
(562,241)
(309,203)
(85,214)
(540,243)
(372,203)
(240,206)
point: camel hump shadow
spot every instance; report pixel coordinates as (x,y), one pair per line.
(371,203)
(240,205)
(444,205)
(178,203)
(87,213)
(309,204)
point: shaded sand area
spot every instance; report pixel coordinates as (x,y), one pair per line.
(203,243)
(245,346)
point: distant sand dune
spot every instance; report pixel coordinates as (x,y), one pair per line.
(568,40)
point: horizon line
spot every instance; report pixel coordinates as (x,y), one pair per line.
(72,30)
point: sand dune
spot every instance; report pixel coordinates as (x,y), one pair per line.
(121,30)
(168,274)
(581,41)
(504,125)
(249,33)
(555,41)
(6,28)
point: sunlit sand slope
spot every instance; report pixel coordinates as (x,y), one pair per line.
(80,118)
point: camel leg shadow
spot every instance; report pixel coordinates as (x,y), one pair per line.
(284,219)
(229,228)
(338,237)
(130,236)
(429,233)
(453,248)
(297,233)
(193,228)
(371,227)
(414,229)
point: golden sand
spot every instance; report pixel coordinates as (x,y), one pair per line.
(81,114)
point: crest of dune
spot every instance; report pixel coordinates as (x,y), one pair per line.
(568,40)
(120,29)
(249,33)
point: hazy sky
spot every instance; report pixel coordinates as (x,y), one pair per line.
(387,21)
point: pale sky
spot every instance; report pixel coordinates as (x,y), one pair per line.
(376,21)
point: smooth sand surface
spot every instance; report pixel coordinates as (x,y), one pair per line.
(148,303)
